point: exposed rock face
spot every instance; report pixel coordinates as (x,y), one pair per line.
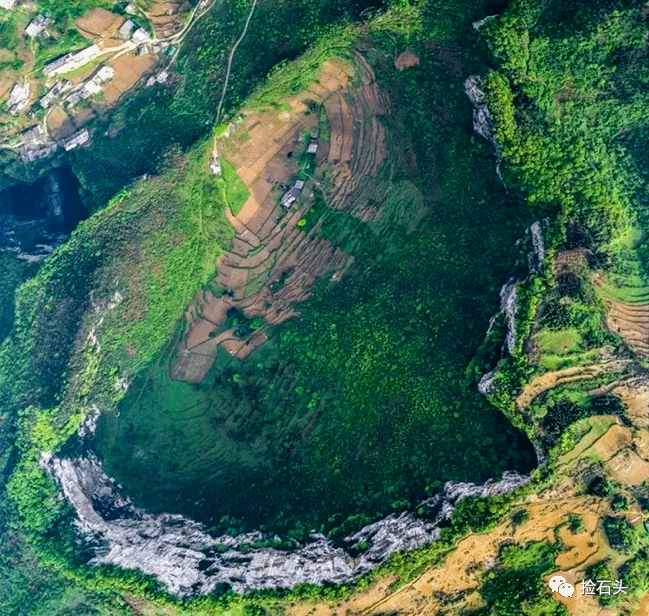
(482,121)
(535,260)
(541,455)
(485,386)
(181,555)
(508,306)
(478,25)
(536,257)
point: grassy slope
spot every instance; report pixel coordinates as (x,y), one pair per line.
(236,192)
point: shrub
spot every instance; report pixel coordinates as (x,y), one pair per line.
(619,503)
(575,523)
(621,534)
(520,517)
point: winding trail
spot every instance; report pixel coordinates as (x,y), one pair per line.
(234,48)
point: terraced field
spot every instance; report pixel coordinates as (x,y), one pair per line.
(454,584)
(628,314)
(273,261)
(574,374)
(166,17)
(308,422)
(631,321)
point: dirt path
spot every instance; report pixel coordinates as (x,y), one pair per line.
(234,48)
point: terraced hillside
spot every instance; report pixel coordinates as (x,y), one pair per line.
(336,332)
(278,253)
(273,262)
(628,315)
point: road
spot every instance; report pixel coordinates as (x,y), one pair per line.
(234,48)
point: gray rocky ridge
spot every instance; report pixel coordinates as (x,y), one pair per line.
(536,257)
(189,561)
(508,306)
(482,120)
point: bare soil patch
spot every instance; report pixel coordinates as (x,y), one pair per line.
(628,467)
(99,23)
(285,261)
(83,115)
(129,69)
(570,259)
(59,124)
(407,59)
(199,332)
(357,125)
(617,438)
(7,82)
(643,608)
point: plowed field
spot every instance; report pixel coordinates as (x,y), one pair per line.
(272,264)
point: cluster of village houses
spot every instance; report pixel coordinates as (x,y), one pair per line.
(295,191)
(34,143)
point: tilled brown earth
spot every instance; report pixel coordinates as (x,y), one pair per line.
(358,143)
(631,322)
(166,17)
(272,263)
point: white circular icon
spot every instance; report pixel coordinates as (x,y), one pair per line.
(566,590)
(556,581)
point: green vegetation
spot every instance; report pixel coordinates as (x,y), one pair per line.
(516,586)
(619,503)
(602,571)
(621,534)
(12,274)
(72,8)
(567,97)
(347,398)
(235,191)
(117,285)
(8,32)
(560,342)
(364,404)
(520,517)
(575,524)
(635,573)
